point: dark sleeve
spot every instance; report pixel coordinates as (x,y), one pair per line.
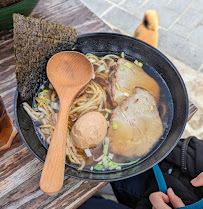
(177,179)
(98,202)
(144,202)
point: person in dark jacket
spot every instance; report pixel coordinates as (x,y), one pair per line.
(160,200)
(183,172)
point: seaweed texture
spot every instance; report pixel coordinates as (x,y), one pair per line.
(35,41)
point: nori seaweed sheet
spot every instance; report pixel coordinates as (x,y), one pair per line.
(35,41)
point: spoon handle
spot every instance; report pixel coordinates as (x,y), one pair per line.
(52,176)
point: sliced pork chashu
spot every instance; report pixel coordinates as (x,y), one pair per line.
(125,76)
(138,125)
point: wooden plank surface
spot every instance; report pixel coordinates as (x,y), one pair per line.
(19,170)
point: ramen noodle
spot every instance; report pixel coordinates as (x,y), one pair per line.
(105,95)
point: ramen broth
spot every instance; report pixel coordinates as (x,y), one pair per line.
(165,101)
(165,109)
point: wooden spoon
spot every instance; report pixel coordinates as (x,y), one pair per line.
(69,72)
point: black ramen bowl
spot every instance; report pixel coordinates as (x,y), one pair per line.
(108,43)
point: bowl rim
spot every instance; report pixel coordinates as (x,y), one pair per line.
(157,161)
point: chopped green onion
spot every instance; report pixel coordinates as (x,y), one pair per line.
(108,163)
(110,156)
(126,94)
(140,64)
(122,69)
(88,153)
(45,91)
(107,114)
(106,139)
(36,105)
(115,126)
(136,62)
(41,95)
(128,163)
(47,102)
(98,167)
(105,145)
(99,158)
(128,65)
(50,86)
(113,167)
(101,68)
(107,123)
(151,108)
(91,168)
(42,87)
(105,161)
(108,110)
(118,87)
(111,163)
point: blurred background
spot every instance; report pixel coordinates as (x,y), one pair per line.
(181,24)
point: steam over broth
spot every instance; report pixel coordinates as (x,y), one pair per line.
(126,141)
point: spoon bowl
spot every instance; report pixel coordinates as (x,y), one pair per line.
(69,69)
(69,72)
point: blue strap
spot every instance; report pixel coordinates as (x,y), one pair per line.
(163,188)
(196,205)
(160,179)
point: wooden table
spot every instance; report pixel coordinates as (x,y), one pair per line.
(19,170)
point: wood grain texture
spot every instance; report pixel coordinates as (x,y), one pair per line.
(68,80)
(19,170)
